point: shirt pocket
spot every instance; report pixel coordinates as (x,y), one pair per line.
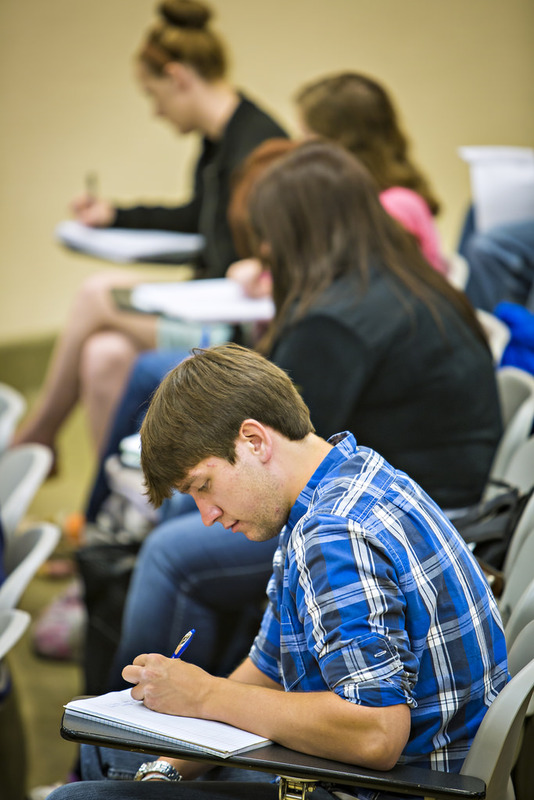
(292,642)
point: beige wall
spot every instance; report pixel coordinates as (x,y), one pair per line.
(462,72)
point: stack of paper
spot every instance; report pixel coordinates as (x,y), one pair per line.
(502,184)
(119,710)
(217,300)
(124,245)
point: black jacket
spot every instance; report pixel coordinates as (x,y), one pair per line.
(206,212)
(423,396)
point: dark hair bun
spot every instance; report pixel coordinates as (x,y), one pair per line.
(185,13)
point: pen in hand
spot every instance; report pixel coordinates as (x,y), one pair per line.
(183,644)
(91,185)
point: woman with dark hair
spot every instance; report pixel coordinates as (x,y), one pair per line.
(355,111)
(358,113)
(378,341)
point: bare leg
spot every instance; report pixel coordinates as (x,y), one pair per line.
(106,361)
(93,311)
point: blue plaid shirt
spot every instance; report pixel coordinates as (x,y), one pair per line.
(375,596)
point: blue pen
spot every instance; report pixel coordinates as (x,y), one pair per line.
(183,644)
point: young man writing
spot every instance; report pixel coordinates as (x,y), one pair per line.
(381,641)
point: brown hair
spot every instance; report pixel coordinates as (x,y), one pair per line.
(199,407)
(357,113)
(318,211)
(183,34)
(243,182)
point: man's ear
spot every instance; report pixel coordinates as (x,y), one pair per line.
(257,437)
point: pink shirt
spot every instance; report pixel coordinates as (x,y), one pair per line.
(409,208)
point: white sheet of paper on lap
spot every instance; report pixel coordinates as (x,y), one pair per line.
(216,300)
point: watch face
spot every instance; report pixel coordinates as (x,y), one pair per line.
(160,767)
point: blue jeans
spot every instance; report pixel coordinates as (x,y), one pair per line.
(156,790)
(190,576)
(108,773)
(147,373)
(501,266)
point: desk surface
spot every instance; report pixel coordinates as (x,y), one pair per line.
(282,761)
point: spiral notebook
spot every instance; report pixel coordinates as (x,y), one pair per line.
(120,710)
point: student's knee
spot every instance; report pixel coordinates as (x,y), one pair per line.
(100,283)
(106,356)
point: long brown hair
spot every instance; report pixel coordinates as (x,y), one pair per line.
(316,217)
(183,34)
(357,112)
(244,178)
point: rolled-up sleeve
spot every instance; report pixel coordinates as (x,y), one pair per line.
(348,600)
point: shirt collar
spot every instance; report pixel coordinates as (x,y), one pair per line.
(344,447)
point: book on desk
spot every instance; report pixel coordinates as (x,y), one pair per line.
(119,710)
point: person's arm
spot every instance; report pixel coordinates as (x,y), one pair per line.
(182,219)
(244,673)
(318,723)
(99,213)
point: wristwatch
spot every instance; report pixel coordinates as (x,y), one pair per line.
(163,769)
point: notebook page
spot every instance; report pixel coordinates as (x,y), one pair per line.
(120,707)
(212,300)
(125,245)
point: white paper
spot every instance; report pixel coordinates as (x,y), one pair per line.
(502,184)
(216,300)
(206,735)
(125,246)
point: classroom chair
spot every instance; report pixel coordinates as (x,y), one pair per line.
(23,469)
(23,555)
(12,407)
(516,393)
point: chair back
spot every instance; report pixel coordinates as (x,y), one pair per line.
(13,623)
(518,578)
(493,751)
(514,386)
(24,554)
(12,407)
(458,270)
(520,469)
(23,469)
(515,433)
(521,651)
(521,615)
(523,528)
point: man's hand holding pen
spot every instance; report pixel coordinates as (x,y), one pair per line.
(168,685)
